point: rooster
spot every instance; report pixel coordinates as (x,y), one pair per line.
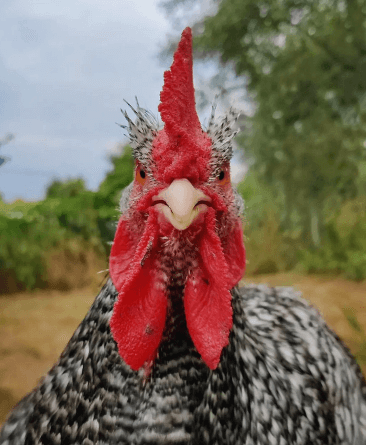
(172,351)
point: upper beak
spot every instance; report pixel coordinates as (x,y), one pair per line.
(181,203)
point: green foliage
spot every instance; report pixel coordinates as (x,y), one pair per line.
(74,214)
(106,199)
(70,215)
(268,249)
(28,237)
(23,244)
(272,248)
(343,248)
(17,208)
(65,189)
(117,179)
(305,68)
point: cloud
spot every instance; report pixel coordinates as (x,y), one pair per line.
(65,69)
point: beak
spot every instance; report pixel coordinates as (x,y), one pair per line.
(181,203)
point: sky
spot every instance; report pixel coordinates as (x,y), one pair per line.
(65,69)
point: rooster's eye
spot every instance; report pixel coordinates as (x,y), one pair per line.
(141,175)
(221,175)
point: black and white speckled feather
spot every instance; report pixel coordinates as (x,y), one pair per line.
(285,378)
(141,132)
(222,134)
(144,128)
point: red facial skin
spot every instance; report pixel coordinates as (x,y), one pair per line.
(139,315)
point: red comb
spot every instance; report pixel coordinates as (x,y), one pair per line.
(177,107)
(182,132)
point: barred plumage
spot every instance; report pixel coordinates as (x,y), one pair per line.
(285,378)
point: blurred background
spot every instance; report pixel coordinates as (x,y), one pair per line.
(297,71)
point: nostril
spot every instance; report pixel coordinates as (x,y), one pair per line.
(159,201)
(202,201)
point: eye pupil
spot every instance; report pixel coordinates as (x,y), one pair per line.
(142,174)
(222,175)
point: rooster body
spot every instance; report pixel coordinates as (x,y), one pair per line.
(172,351)
(284,378)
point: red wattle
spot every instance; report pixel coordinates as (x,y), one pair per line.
(207,297)
(139,313)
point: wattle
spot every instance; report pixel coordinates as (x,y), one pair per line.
(139,315)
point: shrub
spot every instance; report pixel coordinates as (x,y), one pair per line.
(343,248)
(28,235)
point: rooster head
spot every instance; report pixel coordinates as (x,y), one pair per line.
(180,221)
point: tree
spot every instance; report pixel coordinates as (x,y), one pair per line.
(305,65)
(106,199)
(65,189)
(117,179)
